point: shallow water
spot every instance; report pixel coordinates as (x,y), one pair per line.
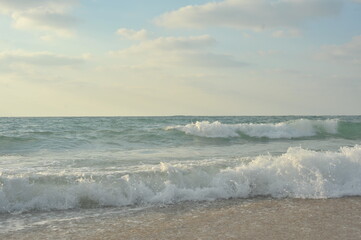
(260,218)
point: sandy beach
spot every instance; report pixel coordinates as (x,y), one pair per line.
(223,219)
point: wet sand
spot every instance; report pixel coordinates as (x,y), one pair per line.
(224,219)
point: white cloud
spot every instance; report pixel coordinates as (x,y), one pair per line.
(43,15)
(349,52)
(250,14)
(176,51)
(133,34)
(40,59)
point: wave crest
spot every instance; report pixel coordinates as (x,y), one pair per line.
(298,173)
(290,129)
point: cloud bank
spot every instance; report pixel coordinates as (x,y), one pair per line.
(250,14)
(193,51)
(42,15)
(38,58)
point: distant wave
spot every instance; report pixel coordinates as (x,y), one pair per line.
(298,173)
(290,129)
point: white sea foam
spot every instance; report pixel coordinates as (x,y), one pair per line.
(290,129)
(298,173)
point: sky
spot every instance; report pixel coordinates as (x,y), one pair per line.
(200,57)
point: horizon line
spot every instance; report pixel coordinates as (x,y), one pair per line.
(182,115)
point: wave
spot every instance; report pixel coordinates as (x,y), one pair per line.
(10,139)
(290,129)
(298,173)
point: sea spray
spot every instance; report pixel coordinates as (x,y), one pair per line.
(297,173)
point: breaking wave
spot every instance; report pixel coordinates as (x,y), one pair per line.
(298,173)
(290,129)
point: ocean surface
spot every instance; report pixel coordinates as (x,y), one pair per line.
(53,166)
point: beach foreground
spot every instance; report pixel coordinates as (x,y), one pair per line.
(223,219)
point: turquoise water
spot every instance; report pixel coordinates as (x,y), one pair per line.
(49,164)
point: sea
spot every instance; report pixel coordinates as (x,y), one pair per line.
(58,170)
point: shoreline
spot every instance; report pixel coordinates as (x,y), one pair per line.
(260,218)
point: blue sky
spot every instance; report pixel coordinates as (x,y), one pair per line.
(230,57)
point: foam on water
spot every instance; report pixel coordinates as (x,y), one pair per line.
(298,173)
(290,129)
